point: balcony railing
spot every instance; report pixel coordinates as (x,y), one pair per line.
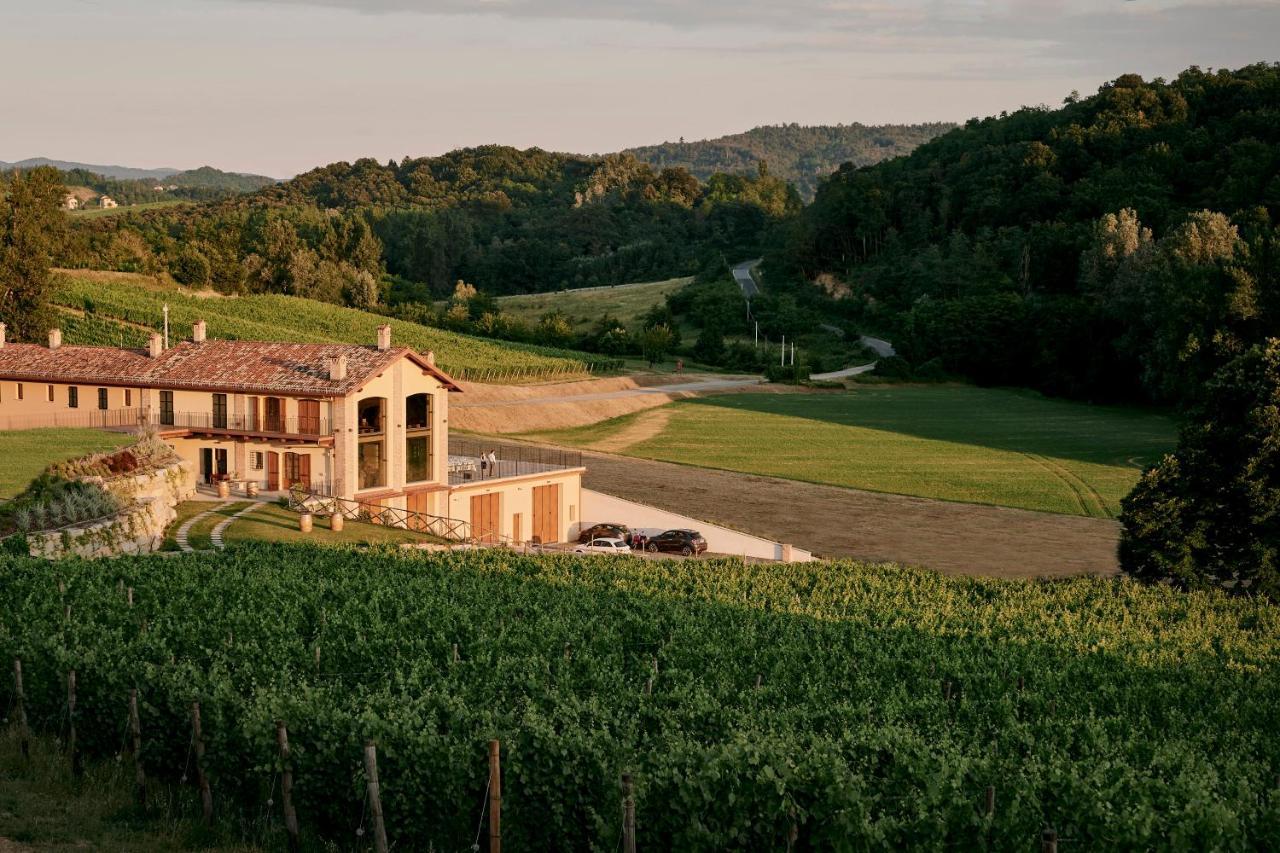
(471,460)
(90,418)
(311,427)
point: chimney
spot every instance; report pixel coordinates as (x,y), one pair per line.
(431,357)
(55,338)
(2,327)
(197,332)
(384,337)
(156,345)
(338,368)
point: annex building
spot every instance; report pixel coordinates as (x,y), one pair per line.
(361,423)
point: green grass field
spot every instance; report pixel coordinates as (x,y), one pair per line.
(105,309)
(25,453)
(98,212)
(957,443)
(584,307)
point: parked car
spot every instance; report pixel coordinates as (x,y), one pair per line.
(605,545)
(687,542)
(605,531)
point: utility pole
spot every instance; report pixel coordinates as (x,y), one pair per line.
(757,334)
(783,361)
(793,353)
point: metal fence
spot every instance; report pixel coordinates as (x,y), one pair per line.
(472,459)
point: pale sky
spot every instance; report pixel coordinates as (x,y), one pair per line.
(277,87)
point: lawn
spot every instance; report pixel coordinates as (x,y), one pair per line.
(957,443)
(274,523)
(584,307)
(27,452)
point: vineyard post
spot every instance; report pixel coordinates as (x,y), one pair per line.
(495,798)
(129,595)
(202,781)
(72,747)
(628,816)
(991,801)
(375,797)
(1049,841)
(24,739)
(286,786)
(135,731)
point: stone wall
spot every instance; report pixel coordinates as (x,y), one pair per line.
(149,501)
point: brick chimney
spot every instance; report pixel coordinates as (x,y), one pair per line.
(2,328)
(384,337)
(338,368)
(155,346)
(55,338)
(198,331)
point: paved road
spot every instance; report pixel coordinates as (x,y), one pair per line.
(742,274)
(695,387)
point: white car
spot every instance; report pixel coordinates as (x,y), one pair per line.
(610,545)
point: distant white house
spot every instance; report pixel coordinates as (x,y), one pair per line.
(70,202)
(158,189)
(108,202)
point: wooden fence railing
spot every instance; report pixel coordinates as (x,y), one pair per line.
(307,500)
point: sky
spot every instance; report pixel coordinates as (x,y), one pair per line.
(277,87)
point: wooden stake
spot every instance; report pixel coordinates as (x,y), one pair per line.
(628,816)
(129,594)
(648,686)
(24,736)
(286,786)
(455,652)
(135,731)
(317,656)
(991,800)
(202,781)
(759,678)
(495,798)
(375,798)
(946,690)
(72,747)
(1049,841)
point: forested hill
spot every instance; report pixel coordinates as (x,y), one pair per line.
(796,153)
(203,184)
(1121,245)
(505,220)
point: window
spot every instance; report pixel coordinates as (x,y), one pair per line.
(128,397)
(255,460)
(417,411)
(369,415)
(50,393)
(274,415)
(220,411)
(166,408)
(102,398)
(73,397)
(372,464)
(417,455)
(19,390)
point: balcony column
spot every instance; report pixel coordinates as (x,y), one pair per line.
(344,422)
(440,434)
(396,430)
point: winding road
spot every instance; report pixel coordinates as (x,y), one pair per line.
(742,275)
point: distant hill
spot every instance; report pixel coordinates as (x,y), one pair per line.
(796,153)
(205,177)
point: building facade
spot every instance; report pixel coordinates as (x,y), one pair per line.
(359,423)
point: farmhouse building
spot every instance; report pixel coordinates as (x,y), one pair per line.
(368,424)
(108,202)
(70,202)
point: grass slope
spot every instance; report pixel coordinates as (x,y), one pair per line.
(27,452)
(958,443)
(103,308)
(583,308)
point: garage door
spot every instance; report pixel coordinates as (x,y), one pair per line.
(546,513)
(484,517)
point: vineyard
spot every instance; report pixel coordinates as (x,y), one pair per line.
(809,706)
(106,311)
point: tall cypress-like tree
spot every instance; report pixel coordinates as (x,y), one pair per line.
(31,224)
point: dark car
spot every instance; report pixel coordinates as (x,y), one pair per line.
(687,542)
(605,531)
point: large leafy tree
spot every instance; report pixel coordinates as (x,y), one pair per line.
(1209,513)
(31,223)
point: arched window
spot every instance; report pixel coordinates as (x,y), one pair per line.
(417,441)
(371,418)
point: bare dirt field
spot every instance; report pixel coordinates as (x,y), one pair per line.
(955,538)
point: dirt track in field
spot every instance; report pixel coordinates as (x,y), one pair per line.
(949,537)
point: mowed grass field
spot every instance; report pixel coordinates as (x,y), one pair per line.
(25,453)
(582,308)
(957,443)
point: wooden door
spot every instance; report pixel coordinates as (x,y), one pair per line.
(309,417)
(517,522)
(484,518)
(273,471)
(304,470)
(206,464)
(275,415)
(252,420)
(546,513)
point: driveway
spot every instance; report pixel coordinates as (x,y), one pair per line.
(742,275)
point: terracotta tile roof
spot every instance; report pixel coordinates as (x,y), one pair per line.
(216,365)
